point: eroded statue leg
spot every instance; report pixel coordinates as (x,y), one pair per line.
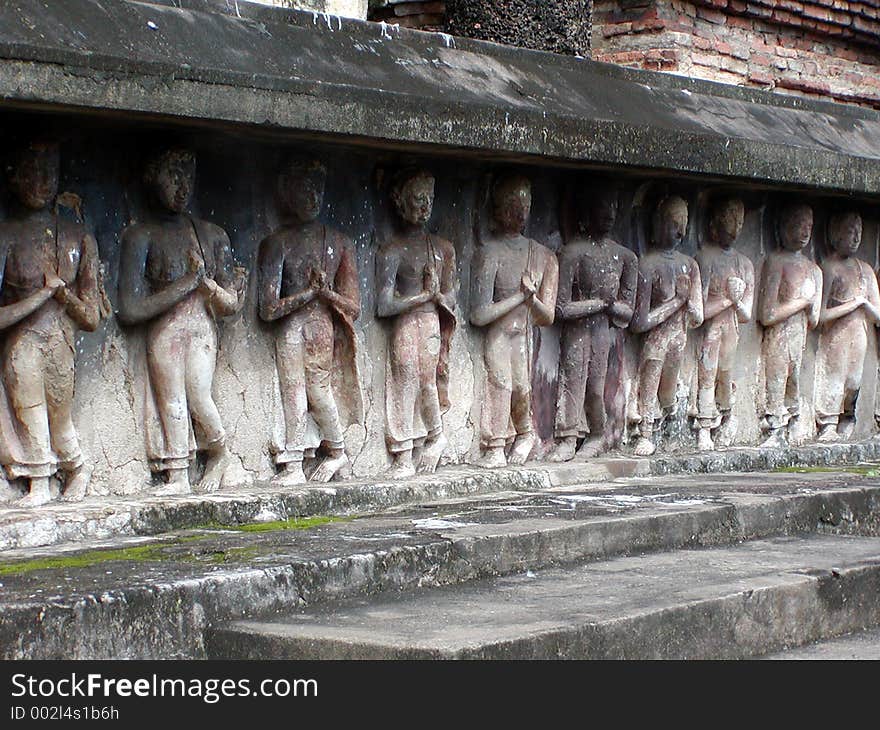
(495,413)
(650,372)
(594,402)
(294,404)
(429,397)
(401,395)
(572,391)
(521,400)
(322,404)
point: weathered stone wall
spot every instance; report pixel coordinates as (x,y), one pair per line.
(235,184)
(343,8)
(823,48)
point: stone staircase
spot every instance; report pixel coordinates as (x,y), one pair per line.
(676,566)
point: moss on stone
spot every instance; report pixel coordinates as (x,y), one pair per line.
(294,523)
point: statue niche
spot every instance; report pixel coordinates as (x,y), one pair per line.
(50,287)
(597,288)
(789,303)
(309,289)
(669,302)
(728,278)
(514,290)
(416,279)
(176,278)
(850,304)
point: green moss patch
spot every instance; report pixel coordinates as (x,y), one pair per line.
(295,523)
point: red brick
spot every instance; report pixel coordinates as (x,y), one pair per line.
(647,26)
(760,59)
(737,6)
(615,29)
(786,52)
(703,44)
(716,3)
(706,59)
(734,21)
(760,78)
(713,16)
(813,11)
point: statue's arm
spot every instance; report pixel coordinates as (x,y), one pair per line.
(485,310)
(345,296)
(872,306)
(135,304)
(623,308)
(270,268)
(448,278)
(695,297)
(227,297)
(82,302)
(566,307)
(745,306)
(13,313)
(544,301)
(713,304)
(388,303)
(645,318)
(815,304)
(770,310)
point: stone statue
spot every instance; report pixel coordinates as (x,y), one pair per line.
(514,289)
(597,289)
(789,303)
(728,278)
(669,301)
(309,287)
(416,279)
(850,303)
(176,277)
(49,288)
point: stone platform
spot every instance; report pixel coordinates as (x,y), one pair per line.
(107,516)
(698,546)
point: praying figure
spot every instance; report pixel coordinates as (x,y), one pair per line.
(669,302)
(49,288)
(416,279)
(789,303)
(176,278)
(309,289)
(514,290)
(850,305)
(728,278)
(597,289)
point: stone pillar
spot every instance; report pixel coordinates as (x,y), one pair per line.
(344,8)
(560,26)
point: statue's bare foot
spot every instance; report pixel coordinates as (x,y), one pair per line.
(492,459)
(726,433)
(845,429)
(775,440)
(329,466)
(290,475)
(402,466)
(704,440)
(563,451)
(432,453)
(828,434)
(644,447)
(235,475)
(77,484)
(39,494)
(522,449)
(591,448)
(178,483)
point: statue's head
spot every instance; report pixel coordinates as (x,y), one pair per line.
(669,224)
(726,221)
(845,233)
(34,178)
(512,203)
(795,226)
(171,175)
(597,207)
(301,185)
(412,193)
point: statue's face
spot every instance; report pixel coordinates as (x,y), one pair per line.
(846,235)
(603,211)
(303,195)
(174,183)
(797,228)
(415,200)
(35,180)
(512,207)
(727,222)
(673,227)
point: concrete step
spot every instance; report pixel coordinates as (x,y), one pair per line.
(154,597)
(106,516)
(718,603)
(864,645)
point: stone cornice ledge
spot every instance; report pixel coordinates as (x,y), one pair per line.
(201,61)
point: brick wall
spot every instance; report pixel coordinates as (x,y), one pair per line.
(824,48)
